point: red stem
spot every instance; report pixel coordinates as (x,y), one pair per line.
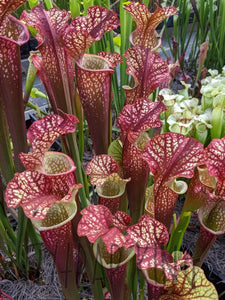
(154,291)
(59,242)
(113,203)
(116,277)
(203,245)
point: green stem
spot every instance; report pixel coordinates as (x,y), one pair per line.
(7,226)
(92,269)
(142,286)
(93,49)
(217,122)
(2,201)
(115,87)
(132,278)
(11,240)
(76,157)
(9,244)
(125,31)
(74,8)
(32,3)
(222,32)
(48,4)
(21,231)
(31,75)
(6,161)
(36,242)
(213,33)
(80,125)
(177,235)
(86,5)
(35,107)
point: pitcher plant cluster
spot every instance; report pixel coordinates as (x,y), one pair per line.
(130,240)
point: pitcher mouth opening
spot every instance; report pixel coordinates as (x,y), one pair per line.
(70,210)
(157,40)
(57,163)
(155,276)
(111,189)
(93,62)
(108,260)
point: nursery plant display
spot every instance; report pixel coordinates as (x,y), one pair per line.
(128,243)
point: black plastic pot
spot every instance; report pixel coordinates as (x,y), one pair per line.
(25,49)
